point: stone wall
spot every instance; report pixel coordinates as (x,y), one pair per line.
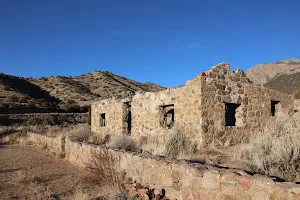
(113,110)
(180,179)
(199,107)
(51,118)
(54,144)
(220,86)
(146,111)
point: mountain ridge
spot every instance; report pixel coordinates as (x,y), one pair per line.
(64,91)
(263,73)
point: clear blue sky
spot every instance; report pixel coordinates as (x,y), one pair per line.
(160,41)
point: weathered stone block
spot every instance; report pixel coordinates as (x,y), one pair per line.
(211,180)
(297,105)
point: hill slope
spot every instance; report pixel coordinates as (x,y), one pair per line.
(90,87)
(47,92)
(270,70)
(17,92)
(288,83)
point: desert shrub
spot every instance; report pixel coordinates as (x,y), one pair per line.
(123,142)
(155,145)
(80,132)
(31,104)
(14,105)
(16,134)
(297,95)
(23,100)
(42,120)
(4,105)
(104,173)
(5,88)
(8,121)
(176,144)
(276,150)
(71,101)
(96,139)
(13,98)
(73,108)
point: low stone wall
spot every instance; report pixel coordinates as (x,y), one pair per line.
(180,179)
(54,144)
(43,118)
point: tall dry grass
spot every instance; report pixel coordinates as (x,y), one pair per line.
(176,144)
(16,134)
(276,150)
(123,142)
(105,175)
(78,132)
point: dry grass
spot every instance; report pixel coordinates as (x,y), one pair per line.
(276,151)
(155,145)
(79,132)
(174,145)
(297,95)
(123,142)
(105,175)
(178,144)
(96,139)
(17,134)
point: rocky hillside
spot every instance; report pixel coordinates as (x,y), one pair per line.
(270,70)
(288,83)
(63,92)
(89,87)
(17,92)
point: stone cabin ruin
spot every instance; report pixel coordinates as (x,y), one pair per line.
(215,103)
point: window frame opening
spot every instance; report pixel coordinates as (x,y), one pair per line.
(167,116)
(230,114)
(273,107)
(102,120)
(127,118)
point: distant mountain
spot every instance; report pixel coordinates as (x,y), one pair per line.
(266,72)
(62,91)
(289,61)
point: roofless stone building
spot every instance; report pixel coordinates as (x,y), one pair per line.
(217,102)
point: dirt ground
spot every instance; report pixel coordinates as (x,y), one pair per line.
(29,172)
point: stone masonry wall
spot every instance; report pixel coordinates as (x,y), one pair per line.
(183,180)
(219,86)
(199,107)
(187,106)
(113,109)
(54,144)
(146,113)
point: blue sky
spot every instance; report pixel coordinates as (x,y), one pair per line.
(160,41)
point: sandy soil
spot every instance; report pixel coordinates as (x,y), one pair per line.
(29,172)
